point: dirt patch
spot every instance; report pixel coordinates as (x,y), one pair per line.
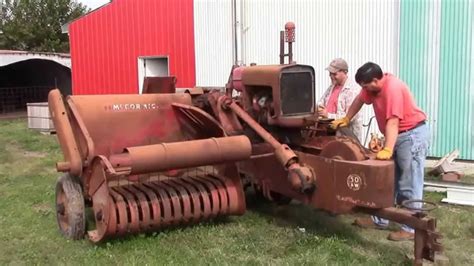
(18,152)
(34,154)
(42,208)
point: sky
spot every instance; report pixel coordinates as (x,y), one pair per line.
(93,4)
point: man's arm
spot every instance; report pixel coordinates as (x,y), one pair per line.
(391,134)
(355,107)
(353,110)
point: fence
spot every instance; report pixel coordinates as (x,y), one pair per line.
(14,99)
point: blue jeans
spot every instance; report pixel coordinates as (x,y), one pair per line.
(409,155)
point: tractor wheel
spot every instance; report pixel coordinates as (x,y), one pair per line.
(70,209)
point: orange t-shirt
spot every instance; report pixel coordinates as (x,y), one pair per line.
(394,100)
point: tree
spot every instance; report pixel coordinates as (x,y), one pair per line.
(35,25)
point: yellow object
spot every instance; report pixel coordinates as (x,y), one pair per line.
(342,122)
(384,154)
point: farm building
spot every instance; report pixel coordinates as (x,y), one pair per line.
(27,77)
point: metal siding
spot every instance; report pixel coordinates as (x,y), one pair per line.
(358,31)
(106,44)
(436,55)
(419,56)
(213,35)
(456,99)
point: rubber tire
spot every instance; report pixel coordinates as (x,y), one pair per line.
(75,208)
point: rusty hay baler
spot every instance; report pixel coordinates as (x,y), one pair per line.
(150,161)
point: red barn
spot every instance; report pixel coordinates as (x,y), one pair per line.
(115,46)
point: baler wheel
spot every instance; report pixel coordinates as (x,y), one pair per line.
(70,209)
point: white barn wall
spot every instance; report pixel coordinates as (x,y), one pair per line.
(213,41)
(358,31)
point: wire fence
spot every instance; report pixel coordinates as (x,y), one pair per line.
(14,99)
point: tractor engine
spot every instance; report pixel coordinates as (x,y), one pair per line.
(280,98)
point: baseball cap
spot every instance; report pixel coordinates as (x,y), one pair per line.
(337,64)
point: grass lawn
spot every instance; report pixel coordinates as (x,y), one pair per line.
(266,234)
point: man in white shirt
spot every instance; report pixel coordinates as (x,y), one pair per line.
(339,96)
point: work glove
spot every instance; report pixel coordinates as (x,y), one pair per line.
(342,122)
(384,154)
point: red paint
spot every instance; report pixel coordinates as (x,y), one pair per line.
(106,44)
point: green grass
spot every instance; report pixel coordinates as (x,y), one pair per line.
(266,234)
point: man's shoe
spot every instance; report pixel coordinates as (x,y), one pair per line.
(401,236)
(367,223)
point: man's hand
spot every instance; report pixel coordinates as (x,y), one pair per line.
(385,154)
(342,122)
(322,112)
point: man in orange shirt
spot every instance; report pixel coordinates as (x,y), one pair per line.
(406,136)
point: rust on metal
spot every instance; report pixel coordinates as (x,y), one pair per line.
(177,155)
(301,177)
(343,149)
(159,85)
(59,115)
(287,36)
(426,238)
